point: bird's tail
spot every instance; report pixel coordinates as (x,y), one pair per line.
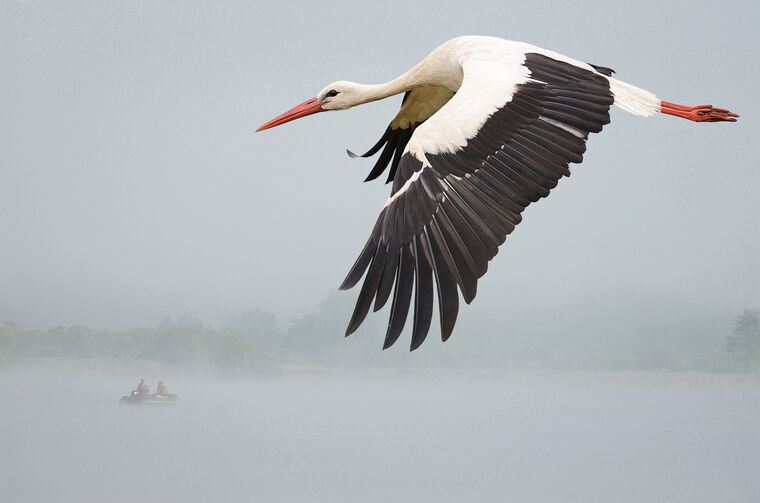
(633,99)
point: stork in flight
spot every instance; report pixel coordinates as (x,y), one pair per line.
(486,127)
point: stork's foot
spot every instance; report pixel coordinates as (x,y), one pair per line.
(699,113)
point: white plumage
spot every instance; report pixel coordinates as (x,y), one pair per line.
(487,126)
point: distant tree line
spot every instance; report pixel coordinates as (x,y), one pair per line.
(254,341)
(250,342)
(179,344)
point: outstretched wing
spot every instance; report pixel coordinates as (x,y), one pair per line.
(417,106)
(502,142)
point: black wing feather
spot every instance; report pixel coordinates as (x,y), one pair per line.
(423,303)
(402,295)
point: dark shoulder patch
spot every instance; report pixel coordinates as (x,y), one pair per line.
(603,70)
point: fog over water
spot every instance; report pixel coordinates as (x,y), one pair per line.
(613,351)
(572,437)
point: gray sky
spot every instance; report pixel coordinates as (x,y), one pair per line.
(132,186)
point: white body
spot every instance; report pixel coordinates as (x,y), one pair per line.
(483,71)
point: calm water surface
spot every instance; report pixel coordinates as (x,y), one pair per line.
(537,436)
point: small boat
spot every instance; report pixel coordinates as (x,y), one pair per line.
(137,398)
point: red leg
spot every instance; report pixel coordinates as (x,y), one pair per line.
(699,113)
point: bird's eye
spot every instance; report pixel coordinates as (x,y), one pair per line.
(331,93)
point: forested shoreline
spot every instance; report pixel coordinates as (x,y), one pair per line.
(254,342)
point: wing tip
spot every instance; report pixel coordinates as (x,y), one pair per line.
(446,332)
(469,296)
(391,336)
(346,285)
(354,324)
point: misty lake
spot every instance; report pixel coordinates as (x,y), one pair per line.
(375,437)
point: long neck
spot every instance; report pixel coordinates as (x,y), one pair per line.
(374,92)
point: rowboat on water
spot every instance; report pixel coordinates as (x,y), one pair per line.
(140,398)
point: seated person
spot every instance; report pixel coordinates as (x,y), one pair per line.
(142,387)
(162,390)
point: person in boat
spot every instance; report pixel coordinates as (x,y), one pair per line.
(142,388)
(162,390)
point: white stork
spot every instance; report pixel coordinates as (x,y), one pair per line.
(486,127)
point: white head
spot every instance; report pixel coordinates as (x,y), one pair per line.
(342,95)
(339,95)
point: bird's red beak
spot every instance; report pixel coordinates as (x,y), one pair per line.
(308,107)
